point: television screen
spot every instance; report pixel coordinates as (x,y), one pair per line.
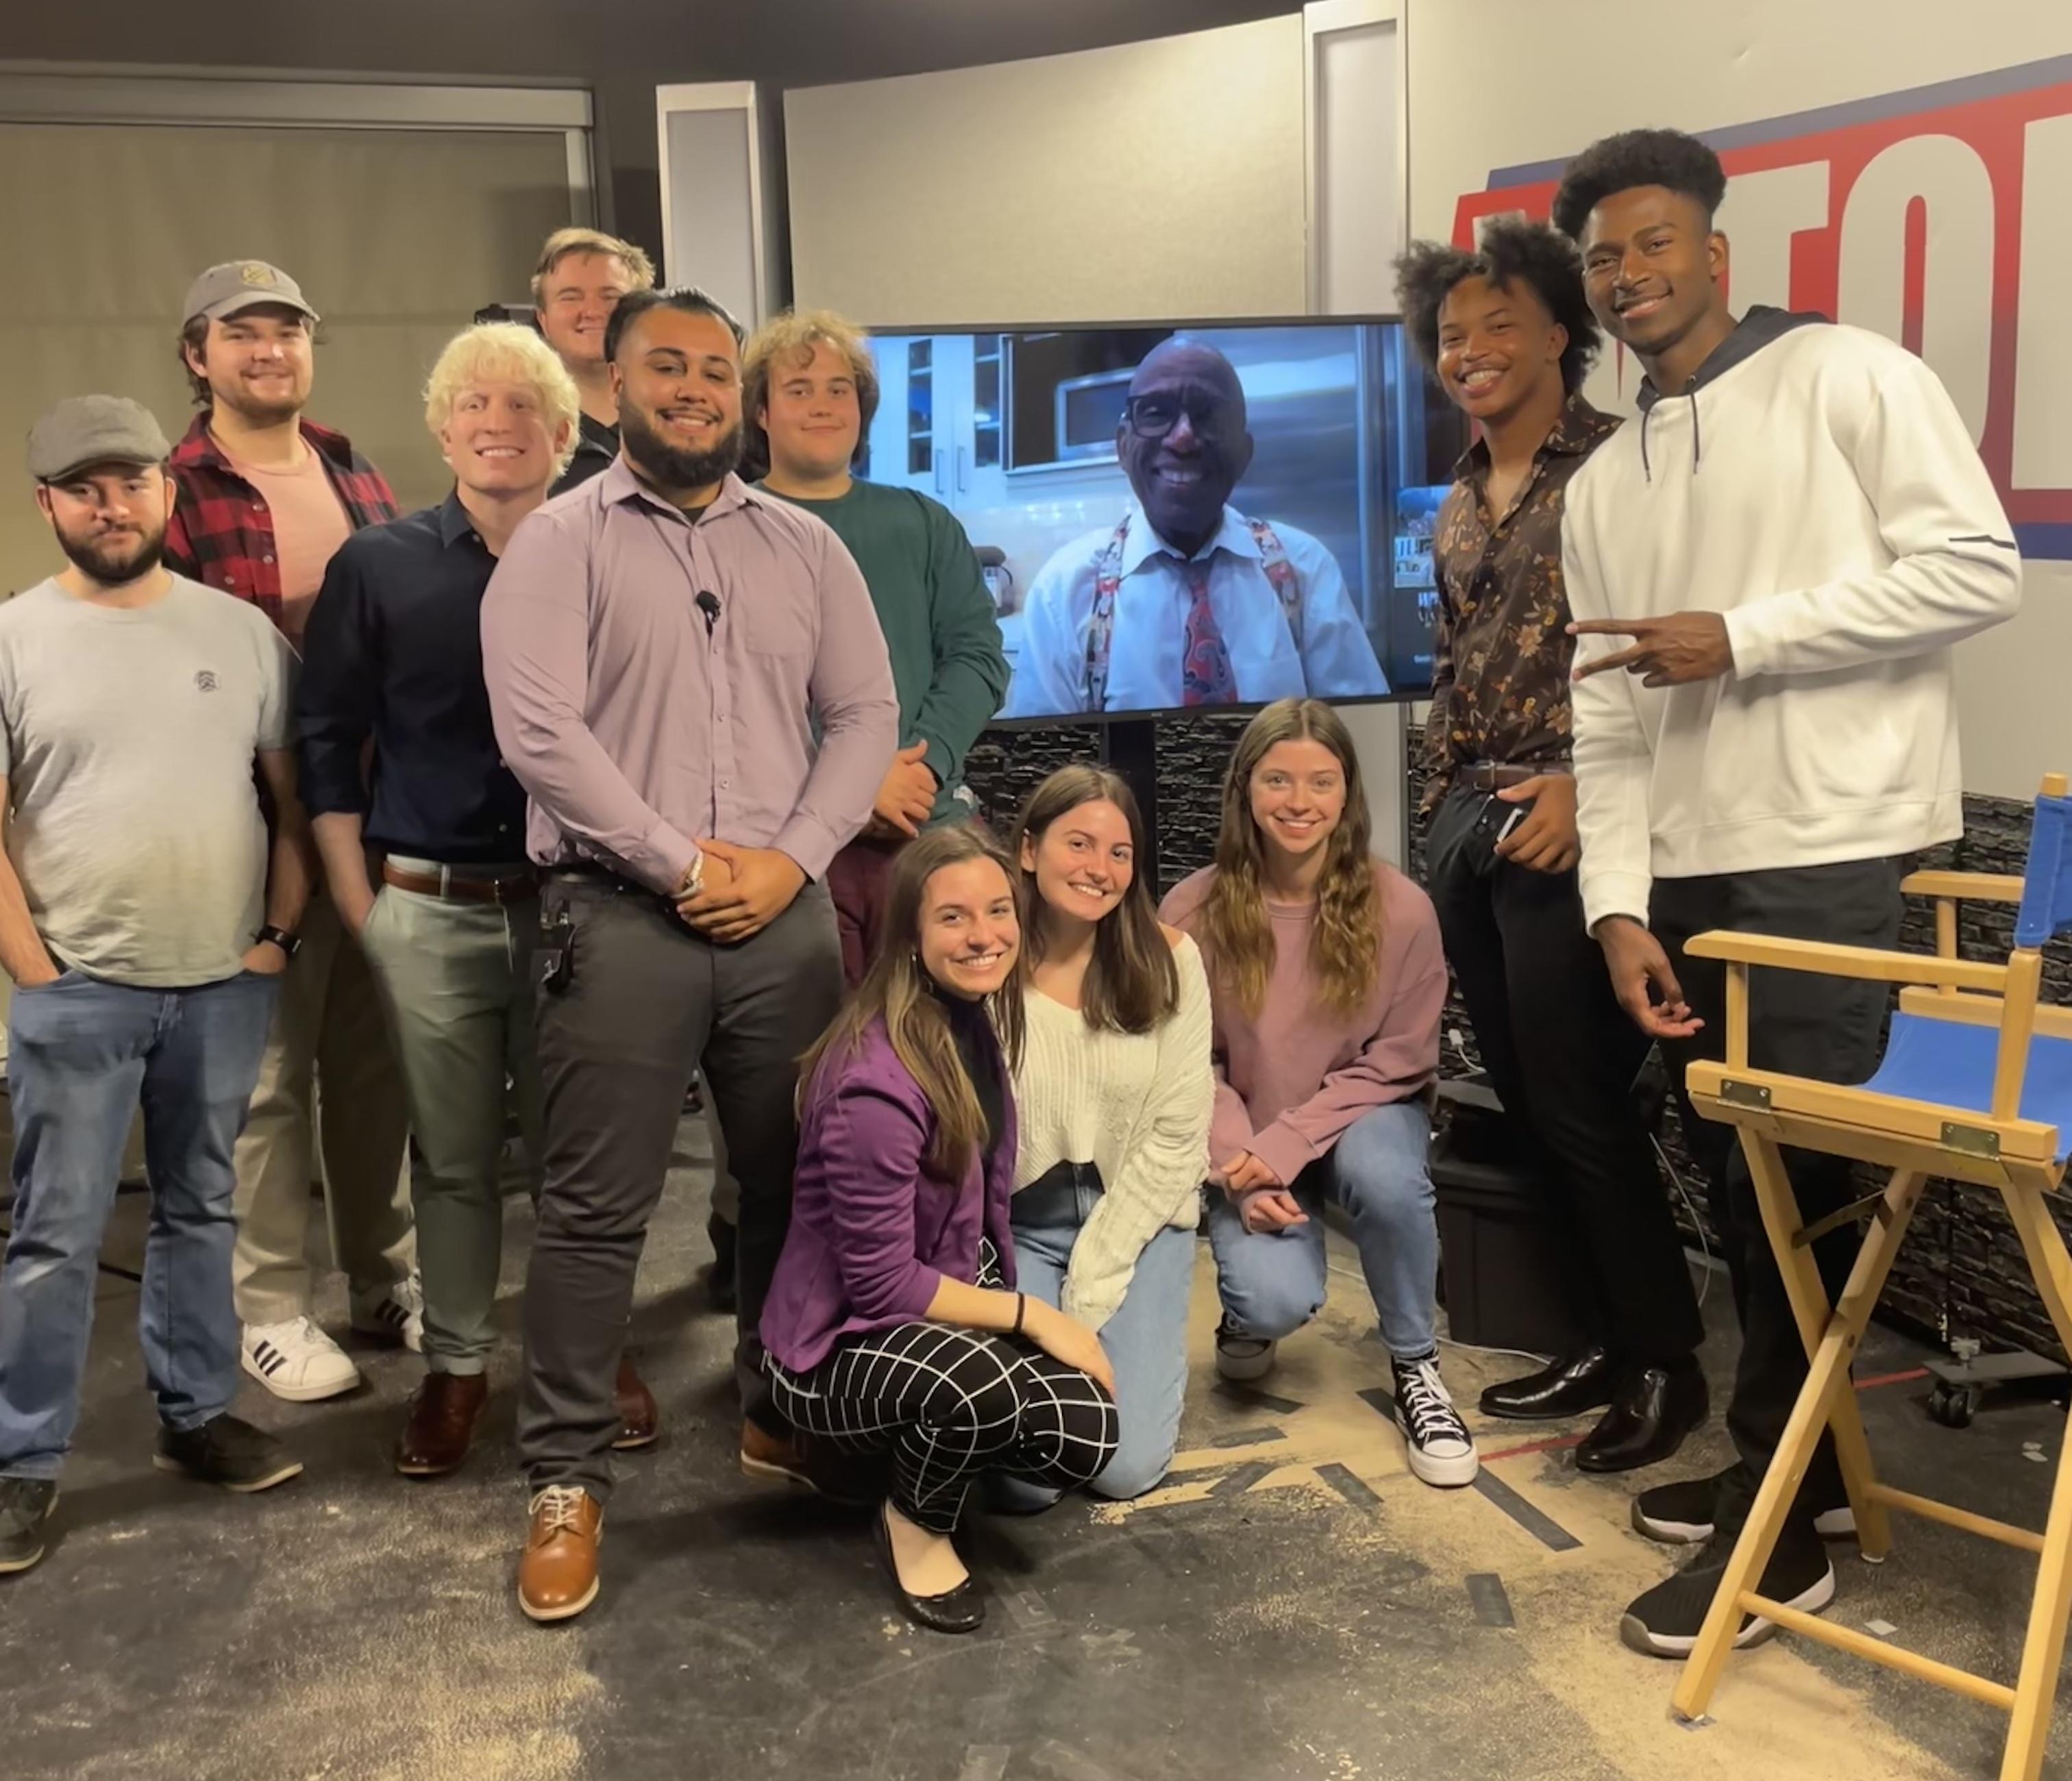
(1174,517)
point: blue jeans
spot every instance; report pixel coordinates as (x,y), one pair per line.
(1146,1339)
(81,1054)
(1271,1283)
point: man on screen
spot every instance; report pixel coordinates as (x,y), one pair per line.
(1187,601)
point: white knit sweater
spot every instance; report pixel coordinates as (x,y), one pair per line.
(1136,1105)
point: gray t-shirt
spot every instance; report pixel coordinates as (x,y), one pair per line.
(128,738)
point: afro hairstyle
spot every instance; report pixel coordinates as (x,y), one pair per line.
(1512,253)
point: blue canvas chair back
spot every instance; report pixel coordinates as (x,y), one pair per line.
(2046,887)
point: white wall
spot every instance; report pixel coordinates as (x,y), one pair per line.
(1500,85)
(1154,179)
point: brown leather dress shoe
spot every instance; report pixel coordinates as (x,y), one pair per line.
(442,1423)
(557,1570)
(766,1456)
(638,1418)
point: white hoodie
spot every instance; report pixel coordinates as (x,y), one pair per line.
(1815,483)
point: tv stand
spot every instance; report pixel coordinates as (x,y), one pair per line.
(1129,746)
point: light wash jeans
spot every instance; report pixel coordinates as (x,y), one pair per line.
(1146,1339)
(456,981)
(81,1054)
(1271,1283)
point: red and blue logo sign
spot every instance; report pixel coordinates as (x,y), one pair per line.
(1941,216)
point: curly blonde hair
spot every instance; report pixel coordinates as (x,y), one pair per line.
(789,339)
(503,351)
(1236,933)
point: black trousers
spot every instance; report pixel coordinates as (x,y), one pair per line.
(950,1404)
(1825,1027)
(648,1000)
(1562,1057)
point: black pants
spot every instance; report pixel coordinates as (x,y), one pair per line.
(648,1000)
(1562,1057)
(1828,1028)
(950,1404)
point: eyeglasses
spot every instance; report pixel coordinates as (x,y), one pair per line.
(1154,417)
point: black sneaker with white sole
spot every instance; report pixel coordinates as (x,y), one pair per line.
(1436,1441)
(227,1451)
(1682,1514)
(25,1511)
(1665,1621)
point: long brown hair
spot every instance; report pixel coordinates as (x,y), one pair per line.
(1131,982)
(897,989)
(1237,934)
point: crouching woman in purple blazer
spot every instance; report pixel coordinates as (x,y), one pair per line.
(893,1326)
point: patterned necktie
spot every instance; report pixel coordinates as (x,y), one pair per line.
(1205,666)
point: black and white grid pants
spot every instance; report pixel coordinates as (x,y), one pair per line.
(950,1404)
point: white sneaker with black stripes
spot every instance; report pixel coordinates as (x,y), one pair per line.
(391,1313)
(1440,1451)
(296,1360)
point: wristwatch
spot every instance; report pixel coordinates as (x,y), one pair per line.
(288,943)
(694,878)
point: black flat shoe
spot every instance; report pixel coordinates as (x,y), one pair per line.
(959,1610)
(1647,1421)
(1570,1386)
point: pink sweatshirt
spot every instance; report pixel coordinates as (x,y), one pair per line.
(1291,1079)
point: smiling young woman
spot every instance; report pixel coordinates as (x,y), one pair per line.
(892,1325)
(1328,984)
(1114,1090)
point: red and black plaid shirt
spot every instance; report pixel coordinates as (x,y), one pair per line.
(221,533)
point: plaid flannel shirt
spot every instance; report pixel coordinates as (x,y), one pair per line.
(221,533)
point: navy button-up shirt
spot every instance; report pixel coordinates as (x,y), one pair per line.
(392,654)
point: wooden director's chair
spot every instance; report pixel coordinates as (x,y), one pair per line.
(1976,1086)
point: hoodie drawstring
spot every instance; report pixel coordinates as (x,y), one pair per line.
(1646,470)
(1697,451)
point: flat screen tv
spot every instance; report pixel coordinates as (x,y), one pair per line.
(1173,516)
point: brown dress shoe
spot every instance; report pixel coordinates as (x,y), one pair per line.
(442,1423)
(766,1456)
(637,1414)
(557,1571)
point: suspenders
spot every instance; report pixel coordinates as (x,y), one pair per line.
(1108,581)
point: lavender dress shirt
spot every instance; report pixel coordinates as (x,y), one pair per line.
(636,726)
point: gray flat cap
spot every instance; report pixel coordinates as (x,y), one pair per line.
(94,429)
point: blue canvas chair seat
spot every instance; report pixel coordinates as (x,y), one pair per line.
(1950,1064)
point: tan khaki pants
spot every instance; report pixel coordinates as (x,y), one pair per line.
(328,1054)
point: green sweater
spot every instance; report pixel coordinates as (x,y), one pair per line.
(937,617)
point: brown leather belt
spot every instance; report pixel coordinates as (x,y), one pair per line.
(1502,775)
(451,887)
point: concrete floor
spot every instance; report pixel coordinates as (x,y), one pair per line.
(1291,1605)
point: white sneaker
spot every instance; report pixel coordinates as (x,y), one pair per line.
(1440,1449)
(297,1361)
(391,1313)
(1242,1358)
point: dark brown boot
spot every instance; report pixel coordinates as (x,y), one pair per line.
(638,1418)
(442,1423)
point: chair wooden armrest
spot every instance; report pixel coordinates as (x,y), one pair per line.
(1868,962)
(1978,887)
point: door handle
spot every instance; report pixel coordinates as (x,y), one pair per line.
(963,468)
(941,455)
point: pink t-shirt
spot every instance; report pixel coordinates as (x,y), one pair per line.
(1290,1079)
(310,522)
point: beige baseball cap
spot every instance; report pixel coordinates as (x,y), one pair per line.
(239,284)
(94,429)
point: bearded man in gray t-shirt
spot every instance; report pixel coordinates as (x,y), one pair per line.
(145,917)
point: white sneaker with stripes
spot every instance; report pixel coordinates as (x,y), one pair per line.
(394,1313)
(297,1361)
